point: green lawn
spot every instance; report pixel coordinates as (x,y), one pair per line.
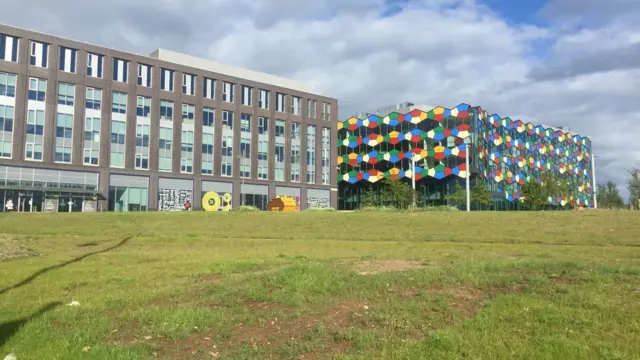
(310,285)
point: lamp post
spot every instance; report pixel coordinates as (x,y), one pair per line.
(413,178)
(595,184)
(466,160)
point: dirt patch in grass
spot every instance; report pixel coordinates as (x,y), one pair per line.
(264,306)
(373,267)
(211,279)
(278,331)
(11,249)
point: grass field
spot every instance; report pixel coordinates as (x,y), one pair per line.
(554,285)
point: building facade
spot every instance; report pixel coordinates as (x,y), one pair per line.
(86,127)
(504,153)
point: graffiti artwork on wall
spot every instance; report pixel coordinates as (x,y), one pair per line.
(212,201)
(174,200)
(317,203)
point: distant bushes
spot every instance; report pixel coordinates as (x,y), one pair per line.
(245,208)
(396,210)
(321,209)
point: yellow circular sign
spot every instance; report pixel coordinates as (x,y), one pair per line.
(211,201)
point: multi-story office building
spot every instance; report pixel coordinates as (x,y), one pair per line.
(85,127)
(504,153)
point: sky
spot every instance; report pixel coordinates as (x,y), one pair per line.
(574,63)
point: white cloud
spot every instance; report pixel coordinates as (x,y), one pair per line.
(440,52)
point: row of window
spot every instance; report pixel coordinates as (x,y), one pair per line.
(95,64)
(91,139)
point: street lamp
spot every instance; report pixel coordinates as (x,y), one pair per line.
(595,184)
(466,160)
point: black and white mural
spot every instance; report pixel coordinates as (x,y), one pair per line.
(318,199)
(318,203)
(175,194)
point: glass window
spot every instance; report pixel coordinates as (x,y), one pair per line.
(7,84)
(208,116)
(94,98)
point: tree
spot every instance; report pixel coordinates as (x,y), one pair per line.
(400,193)
(458,197)
(609,196)
(480,194)
(394,193)
(534,195)
(634,188)
(554,186)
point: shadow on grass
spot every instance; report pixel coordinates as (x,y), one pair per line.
(8,329)
(54,267)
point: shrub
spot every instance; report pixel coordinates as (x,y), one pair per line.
(245,208)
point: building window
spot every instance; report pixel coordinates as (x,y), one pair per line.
(311,154)
(323,111)
(142,144)
(128,198)
(188,84)
(118,129)
(326,153)
(119,105)
(6,131)
(246,95)
(35,132)
(94,65)
(8,84)
(263,103)
(9,48)
(328,112)
(281,100)
(263,125)
(314,106)
(144,106)
(166,81)
(227,155)
(279,164)
(120,70)
(296,104)
(144,75)
(245,145)
(207,154)
(39,54)
(37,89)
(279,151)
(67,60)
(263,159)
(66,94)
(64,138)
(186,160)
(91,140)
(295,152)
(208,116)
(209,88)
(245,158)
(280,126)
(309,103)
(227,91)
(166,110)
(118,134)
(295,131)
(227,120)
(94,99)
(164,155)
(245,123)
(188,113)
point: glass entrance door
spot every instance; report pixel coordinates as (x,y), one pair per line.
(68,203)
(26,202)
